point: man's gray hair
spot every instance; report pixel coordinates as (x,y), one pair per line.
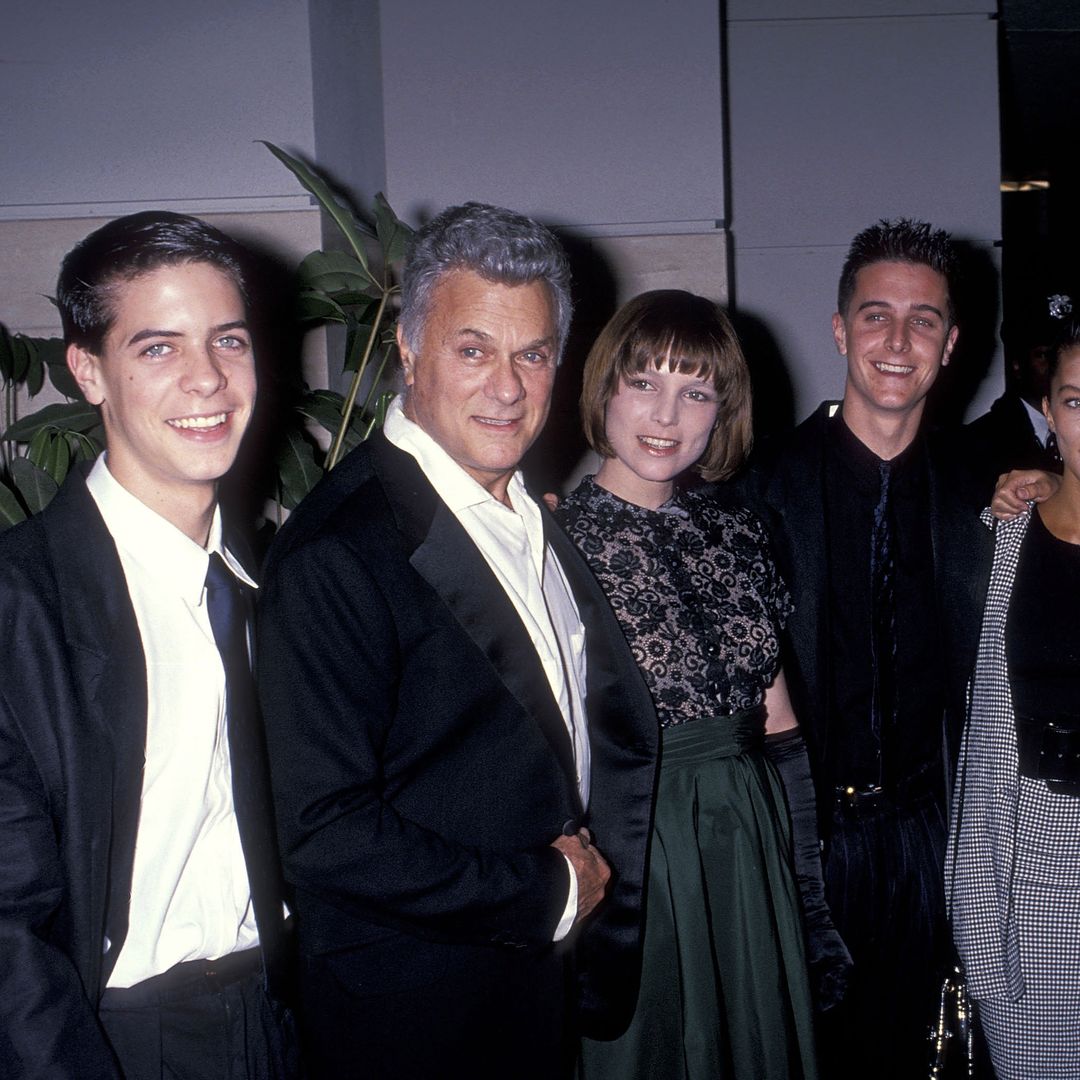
(497,244)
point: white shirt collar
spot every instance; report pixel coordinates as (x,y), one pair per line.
(451,482)
(1038,421)
(155,544)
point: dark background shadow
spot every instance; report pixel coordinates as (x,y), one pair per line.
(978,314)
(555,454)
(278,337)
(770,381)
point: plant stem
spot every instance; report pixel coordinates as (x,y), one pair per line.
(350,401)
(373,388)
(6,448)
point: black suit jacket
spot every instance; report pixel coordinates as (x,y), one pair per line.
(786,486)
(421,765)
(72,744)
(1003,439)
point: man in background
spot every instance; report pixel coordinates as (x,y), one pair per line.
(1014,434)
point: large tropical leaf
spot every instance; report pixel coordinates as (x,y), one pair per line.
(313,306)
(35,371)
(351,229)
(57,458)
(54,354)
(357,345)
(70,416)
(11,511)
(7,356)
(23,359)
(22,350)
(34,484)
(84,447)
(393,233)
(336,271)
(382,404)
(298,472)
(324,408)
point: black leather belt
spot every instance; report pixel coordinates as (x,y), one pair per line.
(869,798)
(186,980)
(1049,750)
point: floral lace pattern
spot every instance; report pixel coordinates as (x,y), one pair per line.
(695,590)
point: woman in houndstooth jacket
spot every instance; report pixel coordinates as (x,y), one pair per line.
(1014,850)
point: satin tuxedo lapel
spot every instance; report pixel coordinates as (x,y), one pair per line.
(108,674)
(624,736)
(445,556)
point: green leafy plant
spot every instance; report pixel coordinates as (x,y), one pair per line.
(36,451)
(353,287)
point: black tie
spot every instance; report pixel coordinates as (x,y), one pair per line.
(228,607)
(883,608)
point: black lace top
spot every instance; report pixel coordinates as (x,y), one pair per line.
(695,590)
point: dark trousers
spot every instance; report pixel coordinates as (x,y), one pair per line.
(490,1014)
(204,1020)
(884,884)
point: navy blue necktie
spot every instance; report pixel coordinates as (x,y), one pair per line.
(883,608)
(228,607)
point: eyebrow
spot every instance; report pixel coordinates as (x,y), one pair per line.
(142,335)
(468,331)
(483,335)
(914,307)
(539,343)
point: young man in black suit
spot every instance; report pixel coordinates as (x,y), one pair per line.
(876,531)
(463,750)
(141,912)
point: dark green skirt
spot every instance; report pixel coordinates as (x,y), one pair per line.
(724,990)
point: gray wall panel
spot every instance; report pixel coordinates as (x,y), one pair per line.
(837,123)
(602,112)
(112,105)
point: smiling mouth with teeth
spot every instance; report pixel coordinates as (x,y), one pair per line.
(198,423)
(894,369)
(658,444)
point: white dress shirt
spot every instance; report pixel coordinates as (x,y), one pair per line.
(1039,423)
(511,539)
(190,897)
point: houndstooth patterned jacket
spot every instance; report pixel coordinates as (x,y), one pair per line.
(981,855)
(1012,842)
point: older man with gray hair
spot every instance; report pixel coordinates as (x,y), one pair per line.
(463,750)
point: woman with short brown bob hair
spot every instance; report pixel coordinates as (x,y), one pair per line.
(724,990)
(687,333)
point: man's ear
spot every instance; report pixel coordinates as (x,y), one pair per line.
(950,344)
(408,359)
(839,333)
(85,368)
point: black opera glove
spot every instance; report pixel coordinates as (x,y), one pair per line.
(827,956)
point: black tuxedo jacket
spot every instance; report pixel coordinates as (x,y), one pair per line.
(72,746)
(1003,439)
(786,487)
(420,763)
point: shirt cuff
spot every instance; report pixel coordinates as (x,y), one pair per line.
(570,911)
